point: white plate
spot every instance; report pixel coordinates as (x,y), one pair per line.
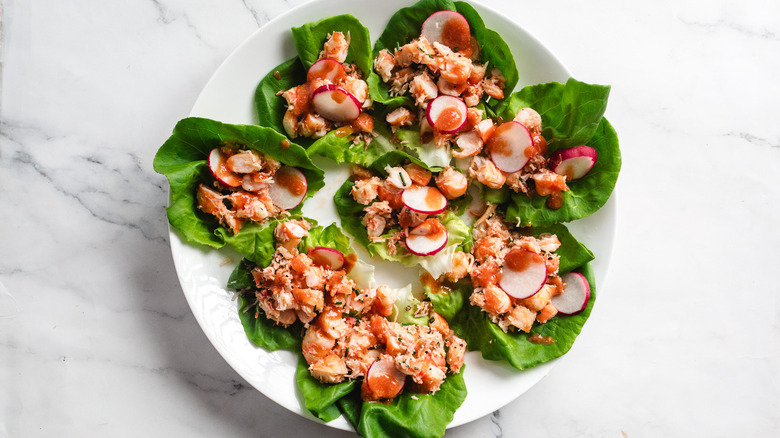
(203,273)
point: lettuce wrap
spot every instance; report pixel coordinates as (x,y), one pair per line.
(572,115)
(406,24)
(351,214)
(183,161)
(473,324)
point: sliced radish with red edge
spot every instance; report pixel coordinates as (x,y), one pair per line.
(327,69)
(424,199)
(575,296)
(447,114)
(384,380)
(510,147)
(449,28)
(335,103)
(523,273)
(289,188)
(574,162)
(428,238)
(216,162)
(327,257)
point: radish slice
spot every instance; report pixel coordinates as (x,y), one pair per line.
(327,257)
(575,296)
(449,28)
(216,162)
(574,162)
(289,188)
(523,273)
(510,147)
(327,69)
(428,238)
(424,199)
(447,114)
(335,103)
(383,379)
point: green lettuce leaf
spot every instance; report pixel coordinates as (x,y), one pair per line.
(495,50)
(182,159)
(405,25)
(406,306)
(265,333)
(425,417)
(270,107)
(482,335)
(311,37)
(350,406)
(571,112)
(449,300)
(341,148)
(585,196)
(408,415)
(320,398)
(572,253)
(435,158)
(329,237)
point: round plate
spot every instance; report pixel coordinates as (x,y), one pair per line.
(203,272)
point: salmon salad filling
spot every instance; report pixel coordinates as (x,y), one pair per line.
(512,154)
(334,96)
(243,187)
(402,208)
(348,333)
(444,84)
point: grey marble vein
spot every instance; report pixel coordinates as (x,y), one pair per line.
(742,29)
(166,16)
(755,140)
(495,424)
(260,16)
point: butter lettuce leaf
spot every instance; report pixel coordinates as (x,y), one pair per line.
(263,332)
(342,149)
(320,398)
(183,161)
(311,37)
(269,106)
(571,112)
(329,237)
(436,158)
(410,415)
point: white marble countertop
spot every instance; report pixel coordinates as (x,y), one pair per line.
(96,338)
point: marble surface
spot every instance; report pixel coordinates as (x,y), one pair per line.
(96,338)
